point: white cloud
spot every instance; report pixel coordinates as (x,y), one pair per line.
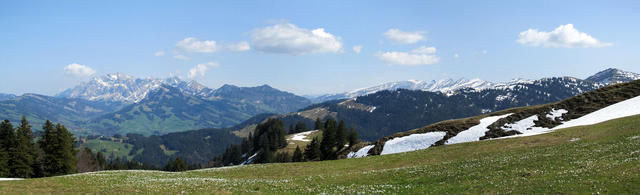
(192,44)
(201,69)
(424,50)
(357,48)
(159,53)
(563,36)
(401,37)
(79,70)
(420,56)
(456,56)
(181,57)
(484,51)
(288,38)
(241,46)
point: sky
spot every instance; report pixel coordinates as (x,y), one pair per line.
(311,47)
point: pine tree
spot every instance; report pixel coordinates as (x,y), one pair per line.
(312,152)
(102,162)
(329,139)
(265,156)
(301,127)
(26,152)
(297,155)
(59,155)
(341,135)
(353,137)
(292,129)
(319,125)
(9,145)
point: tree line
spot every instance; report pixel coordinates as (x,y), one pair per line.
(269,137)
(22,157)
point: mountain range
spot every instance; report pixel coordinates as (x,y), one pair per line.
(119,104)
(447,86)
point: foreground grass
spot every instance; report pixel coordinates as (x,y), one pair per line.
(602,158)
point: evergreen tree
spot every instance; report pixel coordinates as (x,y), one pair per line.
(59,155)
(102,162)
(283,157)
(176,165)
(353,137)
(25,153)
(329,139)
(4,162)
(265,156)
(319,125)
(297,155)
(301,127)
(341,135)
(312,152)
(9,144)
(292,129)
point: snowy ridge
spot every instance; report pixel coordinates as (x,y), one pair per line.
(446,86)
(613,76)
(120,87)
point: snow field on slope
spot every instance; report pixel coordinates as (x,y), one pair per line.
(412,142)
(474,133)
(621,109)
(360,153)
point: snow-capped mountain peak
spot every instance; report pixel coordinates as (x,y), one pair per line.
(120,87)
(613,76)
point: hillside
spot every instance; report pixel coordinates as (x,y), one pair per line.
(601,158)
(387,112)
(607,102)
(167,110)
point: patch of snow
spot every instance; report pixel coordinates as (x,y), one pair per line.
(250,159)
(556,113)
(526,127)
(574,139)
(621,109)
(474,133)
(10,179)
(360,153)
(302,136)
(412,142)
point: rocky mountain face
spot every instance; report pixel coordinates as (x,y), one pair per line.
(120,87)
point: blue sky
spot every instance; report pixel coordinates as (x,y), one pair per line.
(307,47)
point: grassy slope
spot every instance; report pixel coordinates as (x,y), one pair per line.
(606,158)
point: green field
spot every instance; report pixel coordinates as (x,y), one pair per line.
(602,158)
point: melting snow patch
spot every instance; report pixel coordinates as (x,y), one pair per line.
(526,127)
(302,136)
(574,139)
(556,114)
(474,133)
(621,109)
(412,142)
(360,153)
(10,179)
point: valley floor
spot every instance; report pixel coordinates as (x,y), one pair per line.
(601,158)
